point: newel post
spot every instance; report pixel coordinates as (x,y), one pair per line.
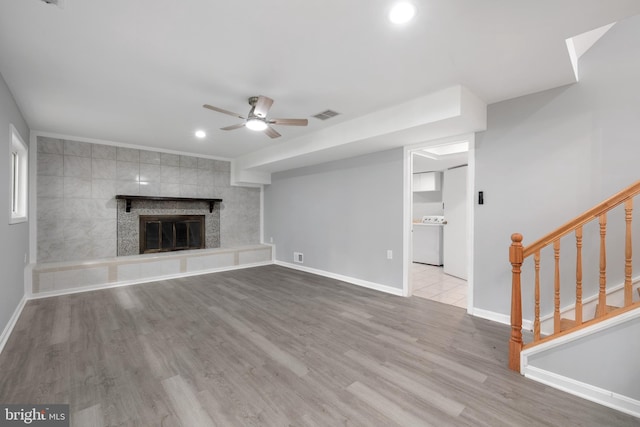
(515,343)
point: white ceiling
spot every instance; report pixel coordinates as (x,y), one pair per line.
(137,72)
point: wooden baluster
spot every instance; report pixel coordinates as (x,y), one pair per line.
(578,315)
(556,284)
(536,322)
(602,295)
(515,343)
(628,261)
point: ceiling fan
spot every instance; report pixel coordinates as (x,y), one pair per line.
(257,118)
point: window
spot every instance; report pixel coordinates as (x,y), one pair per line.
(18,159)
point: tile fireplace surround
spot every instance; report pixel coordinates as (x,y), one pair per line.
(78,216)
(128,222)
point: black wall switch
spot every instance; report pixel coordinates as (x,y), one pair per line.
(481,197)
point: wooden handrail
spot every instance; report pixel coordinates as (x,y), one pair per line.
(607,205)
(518,253)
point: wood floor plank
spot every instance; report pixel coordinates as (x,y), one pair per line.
(385,406)
(271,346)
(429,395)
(88,417)
(264,344)
(185,402)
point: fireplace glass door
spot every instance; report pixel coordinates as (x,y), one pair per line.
(166,233)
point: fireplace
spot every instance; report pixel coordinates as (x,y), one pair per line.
(165,233)
(151,224)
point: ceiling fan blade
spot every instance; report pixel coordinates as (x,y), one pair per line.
(262,106)
(271,132)
(290,122)
(220,110)
(232,127)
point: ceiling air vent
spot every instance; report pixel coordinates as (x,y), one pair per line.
(326,115)
(59,3)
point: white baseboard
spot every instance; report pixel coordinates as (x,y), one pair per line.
(505,319)
(12,322)
(586,391)
(364,283)
(145,280)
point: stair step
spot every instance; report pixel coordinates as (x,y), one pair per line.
(570,323)
(567,324)
(609,309)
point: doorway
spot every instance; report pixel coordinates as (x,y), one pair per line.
(450,280)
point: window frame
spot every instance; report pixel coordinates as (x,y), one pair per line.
(18,168)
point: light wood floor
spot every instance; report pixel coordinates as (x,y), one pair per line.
(271,346)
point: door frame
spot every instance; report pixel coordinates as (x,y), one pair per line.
(407,239)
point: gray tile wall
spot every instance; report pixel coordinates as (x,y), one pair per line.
(77,183)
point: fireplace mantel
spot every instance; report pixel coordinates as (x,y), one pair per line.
(129,199)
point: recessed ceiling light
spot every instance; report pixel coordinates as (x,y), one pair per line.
(201,134)
(256,124)
(402,12)
(453,148)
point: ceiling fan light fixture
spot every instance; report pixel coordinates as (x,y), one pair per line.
(256,124)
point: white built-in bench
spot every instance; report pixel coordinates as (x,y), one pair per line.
(57,278)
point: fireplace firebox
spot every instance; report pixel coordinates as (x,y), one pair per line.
(165,233)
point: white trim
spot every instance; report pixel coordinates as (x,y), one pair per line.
(505,319)
(273,251)
(471,197)
(261,214)
(580,333)
(586,391)
(407,211)
(12,322)
(49,294)
(407,214)
(33,198)
(359,282)
(18,146)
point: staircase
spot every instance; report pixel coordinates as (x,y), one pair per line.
(519,254)
(566,324)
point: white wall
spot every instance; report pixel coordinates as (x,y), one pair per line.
(548,157)
(15,238)
(343,215)
(427,203)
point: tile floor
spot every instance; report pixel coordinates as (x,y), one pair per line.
(432,283)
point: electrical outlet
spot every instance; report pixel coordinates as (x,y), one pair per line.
(298,257)
(270,239)
(25,258)
(389,254)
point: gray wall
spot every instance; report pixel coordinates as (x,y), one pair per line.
(15,238)
(342,215)
(584,359)
(427,203)
(548,157)
(77,183)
